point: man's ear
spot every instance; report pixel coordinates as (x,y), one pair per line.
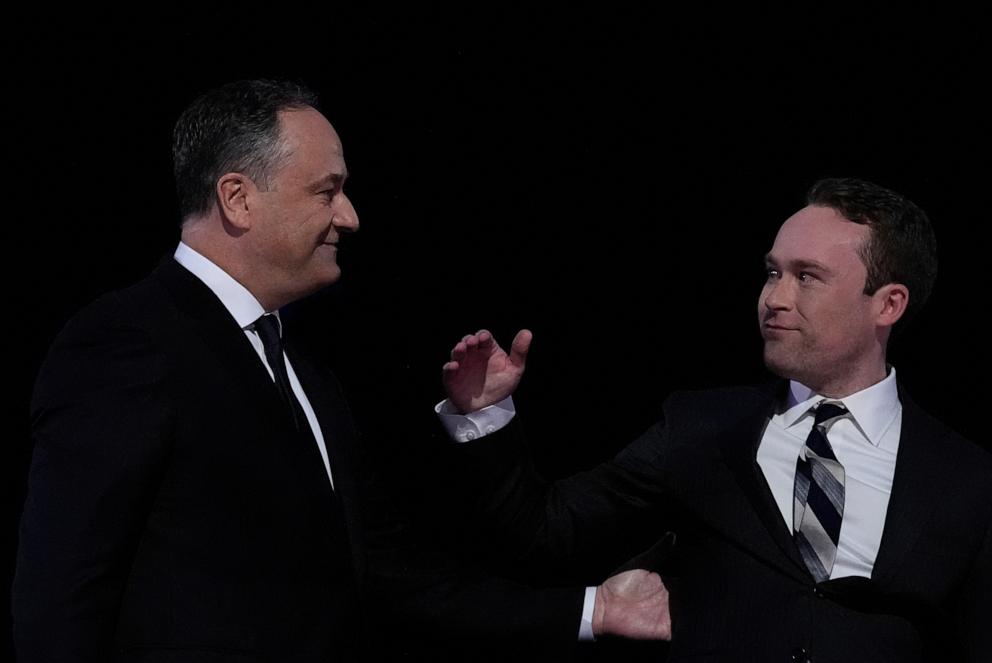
(234,190)
(891,301)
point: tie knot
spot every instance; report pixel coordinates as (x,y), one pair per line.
(829,411)
(267,327)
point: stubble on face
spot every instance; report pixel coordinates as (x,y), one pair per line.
(816,321)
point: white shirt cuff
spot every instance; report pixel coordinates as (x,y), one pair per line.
(471,426)
(585,626)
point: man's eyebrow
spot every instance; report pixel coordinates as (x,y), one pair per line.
(800,264)
(332,179)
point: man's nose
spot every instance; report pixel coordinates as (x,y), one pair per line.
(777,295)
(345,218)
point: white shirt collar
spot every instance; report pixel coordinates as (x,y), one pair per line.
(236,298)
(873,409)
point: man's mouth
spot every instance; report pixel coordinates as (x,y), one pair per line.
(769,331)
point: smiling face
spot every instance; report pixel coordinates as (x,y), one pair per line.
(818,325)
(297,220)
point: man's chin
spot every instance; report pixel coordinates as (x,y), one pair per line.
(329,275)
(779,365)
(318,284)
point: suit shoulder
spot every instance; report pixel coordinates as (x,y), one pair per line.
(107,339)
(693,415)
(722,403)
(968,454)
(131,306)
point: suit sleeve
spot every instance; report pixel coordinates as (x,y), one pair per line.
(579,528)
(564,536)
(428,600)
(100,423)
(422,596)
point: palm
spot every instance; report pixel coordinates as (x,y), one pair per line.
(481,373)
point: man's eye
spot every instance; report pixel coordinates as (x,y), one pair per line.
(771,273)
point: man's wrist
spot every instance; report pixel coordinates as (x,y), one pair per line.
(474,425)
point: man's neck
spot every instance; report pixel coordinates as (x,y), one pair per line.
(196,235)
(851,384)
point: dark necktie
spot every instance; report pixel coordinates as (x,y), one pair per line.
(818,507)
(267,327)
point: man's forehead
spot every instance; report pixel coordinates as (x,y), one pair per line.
(301,127)
(313,149)
(818,234)
(821,227)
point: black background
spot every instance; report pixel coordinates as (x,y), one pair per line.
(609,178)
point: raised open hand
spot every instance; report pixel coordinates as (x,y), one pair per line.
(481,373)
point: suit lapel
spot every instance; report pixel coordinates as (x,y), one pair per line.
(334,419)
(769,535)
(340,440)
(207,318)
(921,471)
(920,474)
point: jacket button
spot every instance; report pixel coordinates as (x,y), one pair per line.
(800,655)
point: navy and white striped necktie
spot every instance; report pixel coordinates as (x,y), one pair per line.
(818,507)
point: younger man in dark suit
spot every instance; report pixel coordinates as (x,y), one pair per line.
(822,517)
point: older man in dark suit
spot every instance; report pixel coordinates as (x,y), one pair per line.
(196,489)
(821,517)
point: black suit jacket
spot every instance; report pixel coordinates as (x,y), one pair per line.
(173,512)
(739,589)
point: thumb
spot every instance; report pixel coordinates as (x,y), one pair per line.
(520,347)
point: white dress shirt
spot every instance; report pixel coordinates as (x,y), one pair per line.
(865,443)
(245,310)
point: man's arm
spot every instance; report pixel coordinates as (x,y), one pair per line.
(431,603)
(567,519)
(550,522)
(100,424)
(418,594)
